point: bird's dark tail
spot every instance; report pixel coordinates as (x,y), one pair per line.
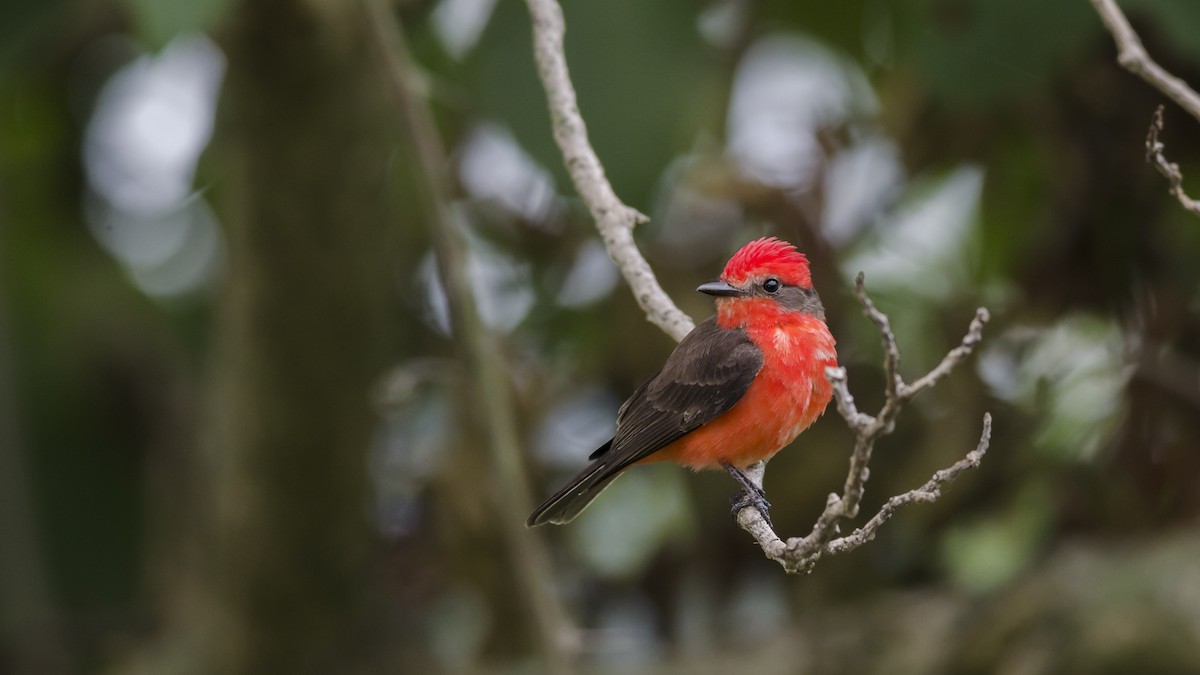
(574,497)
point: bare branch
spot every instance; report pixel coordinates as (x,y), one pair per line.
(972,338)
(1170,170)
(1132,56)
(858,421)
(800,554)
(929,492)
(614,219)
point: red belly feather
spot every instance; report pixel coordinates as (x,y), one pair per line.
(788,395)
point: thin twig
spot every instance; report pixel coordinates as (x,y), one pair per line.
(1170,170)
(529,558)
(614,220)
(929,492)
(891,361)
(972,338)
(800,554)
(1132,56)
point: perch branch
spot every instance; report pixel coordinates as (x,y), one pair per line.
(800,554)
(1169,170)
(614,220)
(931,491)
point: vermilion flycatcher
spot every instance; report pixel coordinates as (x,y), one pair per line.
(739,387)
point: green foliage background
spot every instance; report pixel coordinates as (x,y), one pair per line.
(1072,549)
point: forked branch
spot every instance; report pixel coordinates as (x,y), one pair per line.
(800,554)
(615,221)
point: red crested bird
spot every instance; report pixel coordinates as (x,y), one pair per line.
(739,387)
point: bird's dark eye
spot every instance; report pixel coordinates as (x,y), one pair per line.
(771,285)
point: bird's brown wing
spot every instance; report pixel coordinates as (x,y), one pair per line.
(705,376)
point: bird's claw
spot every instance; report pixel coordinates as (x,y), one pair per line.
(751,494)
(756,498)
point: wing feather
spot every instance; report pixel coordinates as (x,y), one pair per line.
(706,375)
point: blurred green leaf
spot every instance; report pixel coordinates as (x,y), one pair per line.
(23,21)
(628,524)
(643,77)
(458,626)
(989,553)
(974,53)
(839,24)
(1177,19)
(1072,375)
(160,20)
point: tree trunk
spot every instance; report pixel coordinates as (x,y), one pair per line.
(303,142)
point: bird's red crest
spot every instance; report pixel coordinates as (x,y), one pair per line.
(768,257)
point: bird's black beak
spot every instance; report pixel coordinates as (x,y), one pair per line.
(720,289)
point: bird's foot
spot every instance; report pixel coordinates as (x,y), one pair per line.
(743,498)
(749,495)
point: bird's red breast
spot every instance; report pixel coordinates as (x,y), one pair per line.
(788,395)
(737,388)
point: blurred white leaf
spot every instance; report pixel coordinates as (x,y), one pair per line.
(459,23)
(1070,377)
(592,277)
(574,427)
(858,184)
(786,89)
(923,248)
(152,121)
(494,168)
(501,284)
